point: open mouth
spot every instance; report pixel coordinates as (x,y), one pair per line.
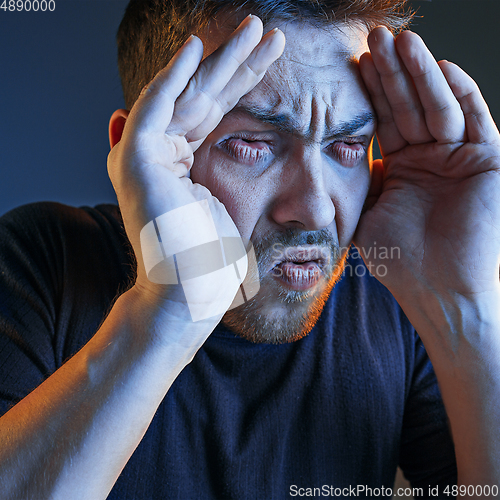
(300,268)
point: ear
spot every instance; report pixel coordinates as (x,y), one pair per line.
(116,126)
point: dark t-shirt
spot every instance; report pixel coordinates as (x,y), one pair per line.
(340,408)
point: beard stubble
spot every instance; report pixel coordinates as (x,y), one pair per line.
(277,314)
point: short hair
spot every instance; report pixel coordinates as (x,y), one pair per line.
(152,31)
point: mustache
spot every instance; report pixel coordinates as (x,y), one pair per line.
(296,237)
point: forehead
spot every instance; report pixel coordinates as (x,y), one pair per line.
(316,79)
(322,45)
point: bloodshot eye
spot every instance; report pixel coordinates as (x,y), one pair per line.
(348,153)
(247,151)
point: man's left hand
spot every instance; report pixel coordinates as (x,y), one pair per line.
(435,195)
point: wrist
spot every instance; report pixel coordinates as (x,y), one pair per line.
(158,316)
(455,327)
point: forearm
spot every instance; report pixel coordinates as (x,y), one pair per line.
(462,338)
(72,436)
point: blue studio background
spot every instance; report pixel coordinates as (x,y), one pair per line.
(59,84)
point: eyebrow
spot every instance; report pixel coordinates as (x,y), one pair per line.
(287,123)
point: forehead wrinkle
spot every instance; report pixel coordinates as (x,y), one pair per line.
(286,71)
(290,113)
(286,122)
(332,63)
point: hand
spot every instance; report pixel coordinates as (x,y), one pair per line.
(435,194)
(435,197)
(172,117)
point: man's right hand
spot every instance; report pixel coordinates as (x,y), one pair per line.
(171,118)
(98,405)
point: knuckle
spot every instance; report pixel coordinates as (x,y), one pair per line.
(420,72)
(405,107)
(440,107)
(222,105)
(236,61)
(248,69)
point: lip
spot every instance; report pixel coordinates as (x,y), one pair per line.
(300,268)
(301,255)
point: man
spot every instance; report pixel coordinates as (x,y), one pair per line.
(321,386)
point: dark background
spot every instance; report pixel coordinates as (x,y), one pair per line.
(59,84)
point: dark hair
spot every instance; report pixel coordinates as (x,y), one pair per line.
(152,31)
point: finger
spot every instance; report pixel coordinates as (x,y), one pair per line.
(246,77)
(154,108)
(401,94)
(253,69)
(389,138)
(478,120)
(444,118)
(213,75)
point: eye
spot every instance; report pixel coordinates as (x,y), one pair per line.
(247,150)
(348,152)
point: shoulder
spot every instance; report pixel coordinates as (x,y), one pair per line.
(61,267)
(46,215)
(57,242)
(56,223)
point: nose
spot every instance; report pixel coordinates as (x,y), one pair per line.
(303,199)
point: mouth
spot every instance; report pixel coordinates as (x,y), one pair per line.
(300,268)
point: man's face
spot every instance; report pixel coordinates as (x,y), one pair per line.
(291,164)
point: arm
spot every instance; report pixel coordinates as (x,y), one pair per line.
(72,436)
(435,196)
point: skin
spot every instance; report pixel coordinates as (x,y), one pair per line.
(434,196)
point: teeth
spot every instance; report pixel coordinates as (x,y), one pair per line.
(297,272)
(301,273)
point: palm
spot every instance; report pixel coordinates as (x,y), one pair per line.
(173,115)
(440,222)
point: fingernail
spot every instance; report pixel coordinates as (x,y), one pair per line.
(246,20)
(272,32)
